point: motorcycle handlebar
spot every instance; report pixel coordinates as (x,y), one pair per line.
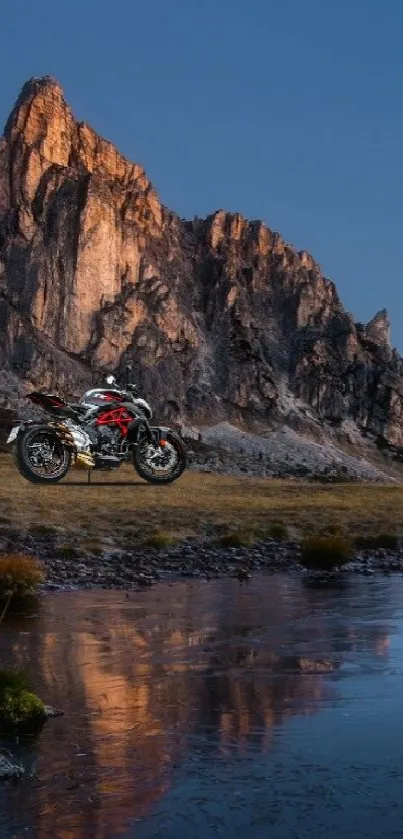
(129,369)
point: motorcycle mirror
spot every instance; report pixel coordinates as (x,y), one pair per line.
(110,380)
(129,369)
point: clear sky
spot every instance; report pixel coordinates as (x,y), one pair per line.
(290,111)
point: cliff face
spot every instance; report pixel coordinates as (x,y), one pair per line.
(219,317)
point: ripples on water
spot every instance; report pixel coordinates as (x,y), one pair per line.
(214,710)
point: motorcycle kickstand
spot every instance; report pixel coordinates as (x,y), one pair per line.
(89,476)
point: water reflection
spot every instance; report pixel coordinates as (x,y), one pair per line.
(145,680)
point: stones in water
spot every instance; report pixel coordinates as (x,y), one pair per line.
(8,769)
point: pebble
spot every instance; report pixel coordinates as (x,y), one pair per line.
(9,769)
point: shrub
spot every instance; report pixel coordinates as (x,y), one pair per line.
(17,702)
(279,532)
(160,541)
(389,541)
(20,574)
(42,529)
(69,552)
(13,680)
(324,553)
(93,546)
(236,539)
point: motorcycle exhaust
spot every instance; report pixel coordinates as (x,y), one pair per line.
(84,460)
(80,460)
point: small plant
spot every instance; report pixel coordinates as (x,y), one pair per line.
(279,532)
(236,539)
(93,546)
(20,575)
(160,541)
(389,541)
(324,553)
(17,702)
(41,529)
(69,552)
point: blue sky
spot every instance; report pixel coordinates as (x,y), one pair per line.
(289,111)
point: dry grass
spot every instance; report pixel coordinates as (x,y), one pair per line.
(42,529)
(92,546)
(68,551)
(118,505)
(236,539)
(19,574)
(279,532)
(160,540)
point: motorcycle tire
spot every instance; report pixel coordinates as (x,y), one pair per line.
(24,463)
(145,470)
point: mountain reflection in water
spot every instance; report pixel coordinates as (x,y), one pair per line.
(146,679)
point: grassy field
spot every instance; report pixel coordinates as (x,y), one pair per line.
(121,507)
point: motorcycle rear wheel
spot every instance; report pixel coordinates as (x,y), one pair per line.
(160,465)
(40,456)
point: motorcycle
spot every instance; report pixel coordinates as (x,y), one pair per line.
(108,427)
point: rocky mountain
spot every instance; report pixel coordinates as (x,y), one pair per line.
(220,318)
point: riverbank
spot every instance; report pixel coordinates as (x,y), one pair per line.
(144,567)
(117,510)
(120,532)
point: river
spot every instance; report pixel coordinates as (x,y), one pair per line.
(213,709)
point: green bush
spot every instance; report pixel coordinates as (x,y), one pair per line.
(13,680)
(18,704)
(324,553)
(160,541)
(279,532)
(41,529)
(69,552)
(20,574)
(236,539)
(93,546)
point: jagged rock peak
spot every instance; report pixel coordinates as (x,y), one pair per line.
(378,329)
(42,131)
(38,84)
(44,87)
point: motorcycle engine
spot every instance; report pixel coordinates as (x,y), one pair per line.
(108,440)
(81,439)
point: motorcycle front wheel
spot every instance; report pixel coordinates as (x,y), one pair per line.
(160,464)
(40,456)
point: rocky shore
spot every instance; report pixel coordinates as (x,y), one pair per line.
(143,567)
